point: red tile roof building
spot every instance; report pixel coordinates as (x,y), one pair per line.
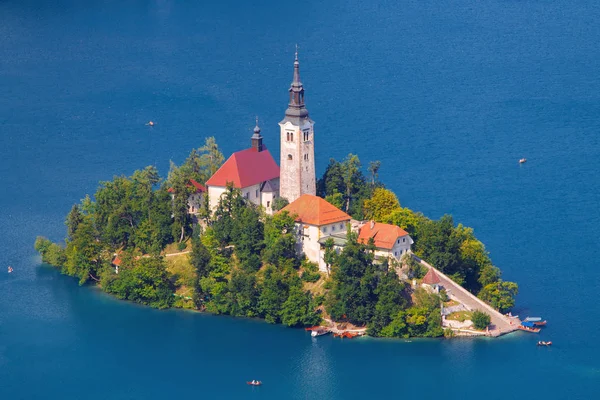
(246,168)
(385,235)
(316,211)
(316,219)
(431,278)
(253,171)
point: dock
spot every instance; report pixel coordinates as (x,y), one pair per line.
(500,324)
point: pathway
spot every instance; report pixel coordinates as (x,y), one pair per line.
(177,254)
(500,324)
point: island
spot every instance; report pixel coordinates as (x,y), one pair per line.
(250,238)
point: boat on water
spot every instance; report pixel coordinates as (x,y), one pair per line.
(10,269)
(254,383)
(528,327)
(522,161)
(542,343)
(319,332)
(537,321)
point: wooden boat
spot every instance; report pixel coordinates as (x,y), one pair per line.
(541,343)
(537,321)
(522,161)
(254,383)
(528,327)
(319,332)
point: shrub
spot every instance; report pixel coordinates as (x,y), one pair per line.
(480,320)
(444,295)
(181,246)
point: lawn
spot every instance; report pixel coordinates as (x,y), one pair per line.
(460,316)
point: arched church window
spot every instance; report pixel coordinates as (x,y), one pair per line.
(292,136)
(289,156)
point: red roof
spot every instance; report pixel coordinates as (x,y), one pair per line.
(431,278)
(314,210)
(193,183)
(385,235)
(199,187)
(246,168)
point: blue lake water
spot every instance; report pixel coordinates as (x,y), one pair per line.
(449,95)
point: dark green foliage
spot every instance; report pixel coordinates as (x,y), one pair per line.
(480,320)
(280,241)
(73,219)
(247,235)
(345,185)
(144,282)
(311,272)
(230,205)
(500,295)
(438,245)
(299,308)
(274,292)
(243,294)
(279,203)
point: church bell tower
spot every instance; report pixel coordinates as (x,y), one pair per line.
(297,154)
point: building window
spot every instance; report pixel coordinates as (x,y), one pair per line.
(306,136)
(289,156)
(396,253)
(256,193)
(325,229)
(403,240)
(341,226)
(268,204)
(292,136)
(333,228)
(398,241)
(247,195)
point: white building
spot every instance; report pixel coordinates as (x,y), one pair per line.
(315,219)
(391,241)
(196,199)
(253,171)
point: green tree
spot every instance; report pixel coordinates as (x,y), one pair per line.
(147,282)
(51,253)
(480,320)
(280,240)
(337,199)
(382,204)
(73,219)
(181,192)
(247,235)
(273,293)
(488,274)
(500,295)
(374,171)
(279,203)
(298,308)
(350,171)
(438,245)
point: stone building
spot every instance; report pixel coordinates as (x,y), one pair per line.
(297,154)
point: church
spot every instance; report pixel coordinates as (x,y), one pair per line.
(254,170)
(256,174)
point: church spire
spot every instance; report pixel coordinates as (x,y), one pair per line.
(257,138)
(296,107)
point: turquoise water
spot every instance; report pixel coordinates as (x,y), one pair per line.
(447,94)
